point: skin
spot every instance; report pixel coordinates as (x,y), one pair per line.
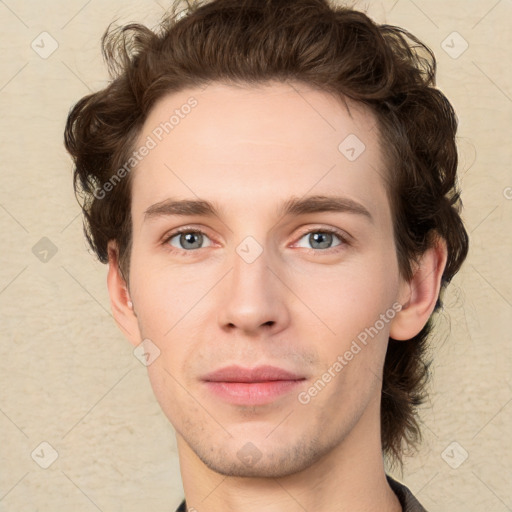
(298,305)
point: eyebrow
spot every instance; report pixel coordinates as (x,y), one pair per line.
(294,206)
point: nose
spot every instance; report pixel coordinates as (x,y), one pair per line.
(254,300)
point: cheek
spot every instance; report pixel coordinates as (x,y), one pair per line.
(170,306)
(354,346)
(164,295)
(348,299)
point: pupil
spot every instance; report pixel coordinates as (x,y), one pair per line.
(322,239)
(188,240)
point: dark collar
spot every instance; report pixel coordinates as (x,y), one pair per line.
(405,497)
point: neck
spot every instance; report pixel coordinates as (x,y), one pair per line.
(350,477)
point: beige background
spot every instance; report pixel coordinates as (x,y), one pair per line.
(68,377)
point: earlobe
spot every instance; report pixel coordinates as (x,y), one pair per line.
(420,294)
(120,300)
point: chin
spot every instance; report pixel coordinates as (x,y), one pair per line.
(259,458)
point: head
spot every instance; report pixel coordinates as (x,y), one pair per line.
(249,106)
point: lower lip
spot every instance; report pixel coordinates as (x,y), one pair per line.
(252,393)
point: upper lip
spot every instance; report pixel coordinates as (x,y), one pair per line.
(258,374)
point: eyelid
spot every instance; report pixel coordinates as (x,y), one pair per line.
(345,238)
(184,229)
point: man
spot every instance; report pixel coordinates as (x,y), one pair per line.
(273,185)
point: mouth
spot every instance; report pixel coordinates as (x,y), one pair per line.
(251,386)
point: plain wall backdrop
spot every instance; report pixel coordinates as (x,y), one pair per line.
(69,379)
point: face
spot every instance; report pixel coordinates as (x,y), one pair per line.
(262,237)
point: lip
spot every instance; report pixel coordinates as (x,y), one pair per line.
(236,373)
(251,386)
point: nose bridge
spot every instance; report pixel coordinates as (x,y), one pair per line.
(250,276)
(250,272)
(252,297)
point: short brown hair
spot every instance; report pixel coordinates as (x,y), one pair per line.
(333,48)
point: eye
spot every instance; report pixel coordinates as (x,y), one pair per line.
(188,240)
(321,239)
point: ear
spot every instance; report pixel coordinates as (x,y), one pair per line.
(120,300)
(419,295)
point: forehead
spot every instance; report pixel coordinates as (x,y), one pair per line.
(233,143)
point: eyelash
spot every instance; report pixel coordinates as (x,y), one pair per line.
(343,238)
